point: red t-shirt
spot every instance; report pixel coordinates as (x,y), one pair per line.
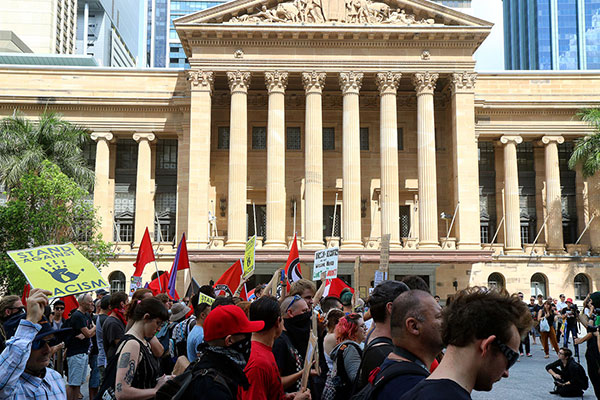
(263,375)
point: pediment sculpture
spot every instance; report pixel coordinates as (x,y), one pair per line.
(332,11)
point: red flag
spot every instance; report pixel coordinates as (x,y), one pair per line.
(230,280)
(292,267)
(26,290)
(70,304)
(162,287)
(334,287)
(145,254)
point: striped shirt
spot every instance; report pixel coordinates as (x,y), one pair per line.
(15,383)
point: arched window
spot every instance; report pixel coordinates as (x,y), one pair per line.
(116,279)
(538,285)
(582,286)
(495,281)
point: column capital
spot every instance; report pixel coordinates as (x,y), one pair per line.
(387,82)
(238,81)
(425,82)
(463,82)
(276,81)
(553,139)
(350,82)
(511,139)
(201,80)
(96,136)
(139,136)
(314,81)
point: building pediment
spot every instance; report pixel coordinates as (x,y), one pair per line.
(332,12)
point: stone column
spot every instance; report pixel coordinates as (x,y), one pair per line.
(238,146)
(201,85)
(144,187)
(594,204)
(553,198)
(512,218)
(465,162)
(313,159)
(104,194)
(276,83)
(428,211)
(350,83)
(390,212)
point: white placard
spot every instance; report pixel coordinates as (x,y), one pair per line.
(326,261)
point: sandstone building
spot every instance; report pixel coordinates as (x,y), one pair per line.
(343,122)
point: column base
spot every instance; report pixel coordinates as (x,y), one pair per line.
(556,250)
(513,250)
(275,244)
(313,244)
(230,244)
(197,244)
(351,244)
(396,245)
(429,245)
(469,246)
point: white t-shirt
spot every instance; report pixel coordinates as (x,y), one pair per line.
(560,305)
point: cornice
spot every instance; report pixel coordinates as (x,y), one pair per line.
(95,106)
(533,130)
(549,104)
(356,42)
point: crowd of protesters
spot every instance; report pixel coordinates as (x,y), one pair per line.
(399,344)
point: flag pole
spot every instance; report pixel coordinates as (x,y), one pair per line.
(158,276)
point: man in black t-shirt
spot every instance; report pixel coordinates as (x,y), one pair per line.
(77,346)
(569,314)
(113,328)
(482,330)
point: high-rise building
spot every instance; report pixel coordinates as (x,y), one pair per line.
(45,26)
(162,45)
(110,30)
(552,34)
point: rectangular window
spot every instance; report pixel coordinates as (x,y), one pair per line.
(259,138)
(223,138)
(331,222)
(400,139)
(328,138)
(568,193)
(127,152)
(89,154)
(261,220)
(405,221)
(364,139)
(166,155)
(293,138)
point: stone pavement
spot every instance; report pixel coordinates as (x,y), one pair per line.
(528,379)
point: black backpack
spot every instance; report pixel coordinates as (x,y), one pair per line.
(339,386)
(175,389)
(580,379)
(392,371)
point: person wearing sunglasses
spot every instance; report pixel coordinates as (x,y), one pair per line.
(481,330)
(24,361)
(10,307)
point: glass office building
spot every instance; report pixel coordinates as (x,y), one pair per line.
(552,34)
(163,46)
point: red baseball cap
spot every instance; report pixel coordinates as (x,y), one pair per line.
(569,300)
(228,320)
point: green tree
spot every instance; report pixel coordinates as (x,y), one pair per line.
(47,207)
(587,149)
(25,144)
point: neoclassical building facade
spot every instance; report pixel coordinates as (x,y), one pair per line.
(342,122)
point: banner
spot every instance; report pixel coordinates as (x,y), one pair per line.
(202,298)
(249,257)
(136,283)
(326,261)
(380,276)
(61,269)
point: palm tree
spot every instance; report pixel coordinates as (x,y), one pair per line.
(587,149)
(25,144)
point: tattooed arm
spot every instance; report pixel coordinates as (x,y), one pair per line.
(126,367)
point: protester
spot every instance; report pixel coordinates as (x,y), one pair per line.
(416,329)
(546,318)
(136,298)
(24,361)
(415,282)
(258,290)
(305,289)
(533,309)
(477,354)
(57,316)
(100,293)
(102,317)
(165,299)
(569,377)
(134,372)
(219,372)
(346,300)
(329,342)
(289,348)
(570,313)
(560,305)
(592,354)
(379,343)
(77,346)
(94,351)
(329,303)
(261,369)
(525,341)
(10,306)
(196,336)
(113,328)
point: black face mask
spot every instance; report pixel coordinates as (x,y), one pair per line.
(243,347)
(298,329)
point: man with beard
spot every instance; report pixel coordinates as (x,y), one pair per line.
(219,372)
(477,354)
(290,347)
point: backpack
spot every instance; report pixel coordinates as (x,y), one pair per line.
(373,344)
(580,379)
(175,389)
(338,385)
(389,373)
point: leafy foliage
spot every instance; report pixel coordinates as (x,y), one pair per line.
(25,144)
(45,208)
(587,149)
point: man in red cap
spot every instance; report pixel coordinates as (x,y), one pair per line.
(219,371)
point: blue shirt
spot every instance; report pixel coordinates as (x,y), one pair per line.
(195,337)
(15,383)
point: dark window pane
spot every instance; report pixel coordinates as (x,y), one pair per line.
(259,138)
(364,139)
(89,154)
(400,138)
(127,152)
(328,221)
(293,138)
(328,138)
(223,138)
(166,154)
(261,220)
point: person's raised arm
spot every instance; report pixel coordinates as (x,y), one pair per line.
(319,294)
(272,283)
(240,286)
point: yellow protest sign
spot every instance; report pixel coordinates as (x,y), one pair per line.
(61,269)
(202,298)
(249,257)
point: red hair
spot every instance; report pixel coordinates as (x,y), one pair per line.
(347,327)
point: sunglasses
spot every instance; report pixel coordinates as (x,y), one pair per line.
(40,343)
(511,355)
(295,299)
(59,308)
(21,309)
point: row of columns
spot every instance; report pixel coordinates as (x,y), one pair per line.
(350,84)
